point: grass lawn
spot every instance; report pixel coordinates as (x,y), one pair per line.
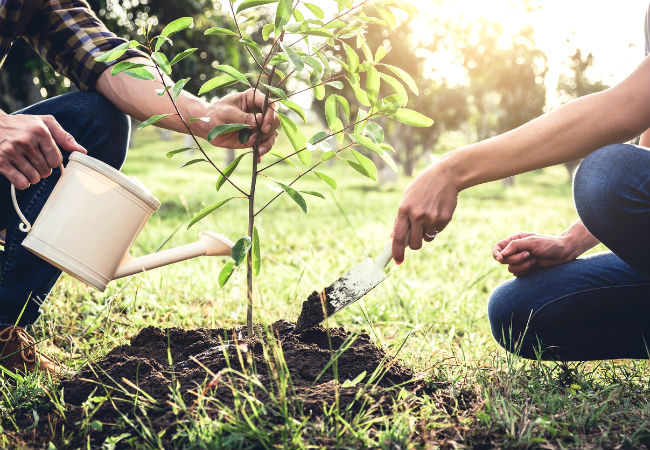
(432,309)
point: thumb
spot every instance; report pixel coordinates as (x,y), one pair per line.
(63,139)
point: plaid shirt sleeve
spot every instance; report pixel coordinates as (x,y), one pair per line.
(68,35)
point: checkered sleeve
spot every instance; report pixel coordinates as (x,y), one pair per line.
(69,36)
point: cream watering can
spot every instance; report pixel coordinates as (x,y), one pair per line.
(92,218)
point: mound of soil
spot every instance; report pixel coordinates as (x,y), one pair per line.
(201,363)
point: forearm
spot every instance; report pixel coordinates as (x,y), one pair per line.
(138,98)
(578,239)
(568,133)
(645,138)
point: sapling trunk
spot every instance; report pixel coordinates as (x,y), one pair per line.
(251,209)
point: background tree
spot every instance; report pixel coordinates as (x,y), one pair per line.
(576,85)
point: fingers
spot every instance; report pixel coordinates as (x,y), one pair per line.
(64,139)
(523,268)
(28,171)
(516,246)
(267,144)
(15,177)
(399,237)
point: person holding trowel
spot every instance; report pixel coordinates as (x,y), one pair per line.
(36,140)
(560,306)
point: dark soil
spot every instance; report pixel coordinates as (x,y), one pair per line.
(313,310)
(194,360)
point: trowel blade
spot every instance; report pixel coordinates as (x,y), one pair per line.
(349,288)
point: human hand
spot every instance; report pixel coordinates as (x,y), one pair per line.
(238,108)
(525,252)
(427,207)
(28,147)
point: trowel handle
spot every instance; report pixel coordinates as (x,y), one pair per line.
(386,255)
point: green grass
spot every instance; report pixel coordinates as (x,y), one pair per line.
(436,302)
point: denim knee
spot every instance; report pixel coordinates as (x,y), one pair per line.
(509,318)
(610,191)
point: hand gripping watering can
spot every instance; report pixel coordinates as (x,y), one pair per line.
(92,218)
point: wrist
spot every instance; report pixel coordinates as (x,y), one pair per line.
(192,107)
(454,166)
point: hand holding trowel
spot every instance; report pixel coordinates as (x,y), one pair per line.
(353,285)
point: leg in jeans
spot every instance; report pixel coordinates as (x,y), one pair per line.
(25,279)
(596,307)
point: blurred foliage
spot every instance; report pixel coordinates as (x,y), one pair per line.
(26,79)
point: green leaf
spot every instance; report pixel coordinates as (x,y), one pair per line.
(161,61)
(335,84)
(220,31)
(251,45)
(314,193)
(282,15)
(124,65)
(326,156)
(190,162)
(344,104)
(244,135)
(297,139)
(411,117)
(178,150)
(295,108)
(372,84)
(182,55)
(298,15)
(317,69)
(278,92)
(327,179)
(330,109)
(116,52)
(380,53)
(139,73)
(225,128)
(253,3)
(295,59)
(318,137)
(352,58)
(389,161)
(266,31)
(357,380)
(364,165)
(360,94)
(177,25)
(226,272)
(319,92)
(151,120)
(233,73)
(390,103)
(360,124)
(404,76)
(217,82)
(375,132)
(230,168)
(257,259)
(315,10)
(366,142)
(295,196)
(160,40)
(239,250)
(207,211)
(178,87)
(397,87)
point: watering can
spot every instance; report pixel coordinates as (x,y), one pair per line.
(91,219)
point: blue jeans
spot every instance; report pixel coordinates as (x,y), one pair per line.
(596,307)
(25,279)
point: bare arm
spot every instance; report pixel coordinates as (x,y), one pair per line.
(645,138)
(138,98)
(565,134)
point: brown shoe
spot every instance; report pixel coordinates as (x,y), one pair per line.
(18,352)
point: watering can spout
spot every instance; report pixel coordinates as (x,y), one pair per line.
(209,244)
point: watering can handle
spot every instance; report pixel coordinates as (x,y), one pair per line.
(25,226)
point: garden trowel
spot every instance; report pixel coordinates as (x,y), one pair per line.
(353,285)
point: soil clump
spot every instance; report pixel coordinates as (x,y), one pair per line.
(216,364)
